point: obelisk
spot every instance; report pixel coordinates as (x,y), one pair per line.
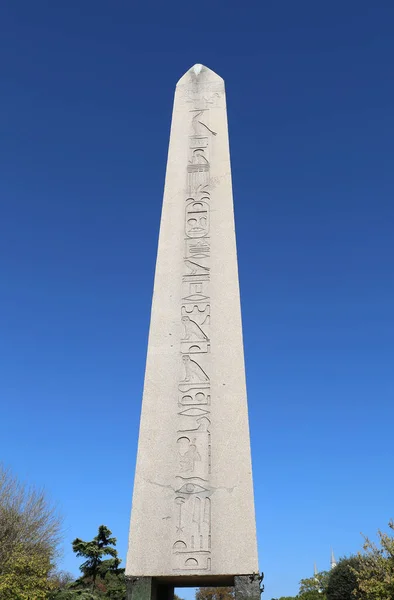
(193,520)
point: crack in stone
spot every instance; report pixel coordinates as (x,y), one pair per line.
(160,485)
(211,488)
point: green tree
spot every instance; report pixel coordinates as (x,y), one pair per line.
(314,588)
(115,584)
(70,594)
(60,579)
(215,593)
(317,583)
(24,575)
(342,580)
(94,551)
(101,576)
(30,532)
(375,573)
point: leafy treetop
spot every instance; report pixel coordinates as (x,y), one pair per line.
(94,551)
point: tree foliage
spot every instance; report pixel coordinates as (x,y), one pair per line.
(61,579)
(375,573)
(24,575)
(71,594)
(101,576)
(215,593)
(342,580)
(94,552)
(312,595)
(30,531)
(313,585)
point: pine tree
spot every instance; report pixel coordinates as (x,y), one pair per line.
(95,551)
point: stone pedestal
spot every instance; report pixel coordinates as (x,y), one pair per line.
(247,587)
(147,588)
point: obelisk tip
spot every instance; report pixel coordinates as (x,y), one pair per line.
(197,68)
(199,72)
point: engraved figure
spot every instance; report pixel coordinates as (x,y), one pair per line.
(195,268)
(206,526)
(179,501)
(198,313)
(197,224)
(193,549)
(194,288)
(191,347)
(194,412)
(191,386)
(193,371)
(199,398)
(196,522)
(197,296)
(192,330)
(203,563)
(192,485)
(197,249)
(198,171)
(206,97)
(212,98)
(198,157)
(190,457)
(198,142)
(199,127)
(203,190)
(202,427)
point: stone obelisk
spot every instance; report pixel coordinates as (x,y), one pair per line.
(193,520)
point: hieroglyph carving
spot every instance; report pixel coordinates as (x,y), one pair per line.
(191,550)
(203,97)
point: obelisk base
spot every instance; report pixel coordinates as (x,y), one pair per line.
(246,587)
(147,588)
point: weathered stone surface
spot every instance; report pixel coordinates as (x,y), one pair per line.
(147,588)
(193,509)
(247,587)
(140,588)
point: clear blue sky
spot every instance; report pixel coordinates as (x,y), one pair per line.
(86,92)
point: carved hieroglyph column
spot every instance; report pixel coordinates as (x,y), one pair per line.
(193,509)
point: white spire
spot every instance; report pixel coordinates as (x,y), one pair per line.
(315,571)
(333,562)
